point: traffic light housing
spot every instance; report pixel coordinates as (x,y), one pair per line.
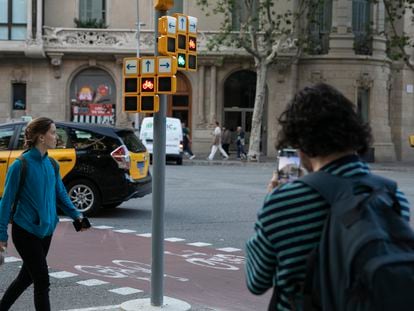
(191,62)
(167,85)
(130,85)
(131,103)
(167,45)
(163,5)
(149,103)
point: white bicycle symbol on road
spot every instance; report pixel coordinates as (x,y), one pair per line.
(142,271)
(124,269)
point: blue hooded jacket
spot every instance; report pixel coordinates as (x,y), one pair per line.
(36,208)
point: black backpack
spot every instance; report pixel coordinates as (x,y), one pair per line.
(365,259)
(23,178)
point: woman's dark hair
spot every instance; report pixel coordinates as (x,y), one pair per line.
(320,121)
(34,129)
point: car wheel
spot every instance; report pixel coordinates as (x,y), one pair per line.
(180,161)
(85,196)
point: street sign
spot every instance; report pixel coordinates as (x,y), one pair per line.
(181,22)
(167,25)
(148,66)
(130,66)
(192,24)
(167,65)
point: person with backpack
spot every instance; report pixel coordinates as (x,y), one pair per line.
(338,238)
(32,210)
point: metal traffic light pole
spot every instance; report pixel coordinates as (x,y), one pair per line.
(158,194)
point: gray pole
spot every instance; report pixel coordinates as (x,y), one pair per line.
(158,194)
(138,52)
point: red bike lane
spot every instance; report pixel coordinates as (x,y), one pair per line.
(198,275)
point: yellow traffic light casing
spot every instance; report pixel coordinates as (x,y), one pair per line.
(131,85)
(148,85)
(181,61)
(181,23)
(166,65)
(131,103)
(181,42)
(167,85)
(149,103)
(130,66)
(192,62)
(148,66)
(167,45)
(163,5)
(167,25)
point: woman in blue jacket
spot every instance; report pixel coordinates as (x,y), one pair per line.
(35,217)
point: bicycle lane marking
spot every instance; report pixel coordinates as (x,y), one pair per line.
(215,278)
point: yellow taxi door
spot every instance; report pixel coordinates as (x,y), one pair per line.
(6,134)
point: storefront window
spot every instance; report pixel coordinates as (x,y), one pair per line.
(93,97)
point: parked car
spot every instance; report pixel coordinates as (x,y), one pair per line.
(101,166)
(174,138)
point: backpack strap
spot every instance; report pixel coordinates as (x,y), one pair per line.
(55,166)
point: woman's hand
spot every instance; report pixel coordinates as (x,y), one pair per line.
(3,245)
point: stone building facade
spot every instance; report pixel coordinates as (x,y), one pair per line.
(48,66)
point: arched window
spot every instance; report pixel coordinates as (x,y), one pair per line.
(93,97)
(320,27)
(361,21)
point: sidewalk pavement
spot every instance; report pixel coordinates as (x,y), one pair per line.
(201,159)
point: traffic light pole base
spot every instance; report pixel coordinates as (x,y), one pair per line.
(170,304)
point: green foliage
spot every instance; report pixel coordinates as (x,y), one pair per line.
(90,23)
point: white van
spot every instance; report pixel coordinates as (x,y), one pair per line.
(174,138)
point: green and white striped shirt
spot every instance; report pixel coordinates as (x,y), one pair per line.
(288,227)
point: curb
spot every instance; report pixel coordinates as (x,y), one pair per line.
(170,304)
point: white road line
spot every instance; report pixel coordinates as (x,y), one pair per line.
(92,282)
(102,227)
(62,274)
(124,231)
(228,249)
(199,244)
(174,239)
(115,307)
(125,291)
(145,235)
(11,259)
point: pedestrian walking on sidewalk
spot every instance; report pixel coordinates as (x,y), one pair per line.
(300,227)
(31,208)
(217,144)
(187,142)
(240,142)
(226,139)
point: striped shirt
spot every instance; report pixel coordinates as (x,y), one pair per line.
(288,227)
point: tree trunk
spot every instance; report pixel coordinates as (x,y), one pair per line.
(255,134)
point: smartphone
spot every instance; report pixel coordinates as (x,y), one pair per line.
(288,164)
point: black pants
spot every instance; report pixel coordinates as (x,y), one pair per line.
(33,251)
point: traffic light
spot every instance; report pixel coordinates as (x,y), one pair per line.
(192,62)
(167,85)
(181,61)
(167,29)
(130,85)
(149,103)
(148,85)
(163,5)
(131,103)
(192,44)
(181,42)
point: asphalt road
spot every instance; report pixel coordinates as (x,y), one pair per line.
(215,205)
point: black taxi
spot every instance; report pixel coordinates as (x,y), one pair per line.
(101,166)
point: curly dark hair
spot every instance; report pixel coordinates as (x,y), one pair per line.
(34,129)
(321,121)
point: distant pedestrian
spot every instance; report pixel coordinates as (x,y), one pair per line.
(226,139)
(240,142)
(187,142)
(217,144)
(34,217)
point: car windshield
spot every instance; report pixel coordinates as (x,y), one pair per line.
(131,141)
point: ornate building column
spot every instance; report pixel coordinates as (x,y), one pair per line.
(29,34)
(341,40)
(213,92)
(39,20)
(201,120)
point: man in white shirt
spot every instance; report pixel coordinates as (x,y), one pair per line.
(217,144)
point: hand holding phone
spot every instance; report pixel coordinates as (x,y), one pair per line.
(81,224)
(288,165)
